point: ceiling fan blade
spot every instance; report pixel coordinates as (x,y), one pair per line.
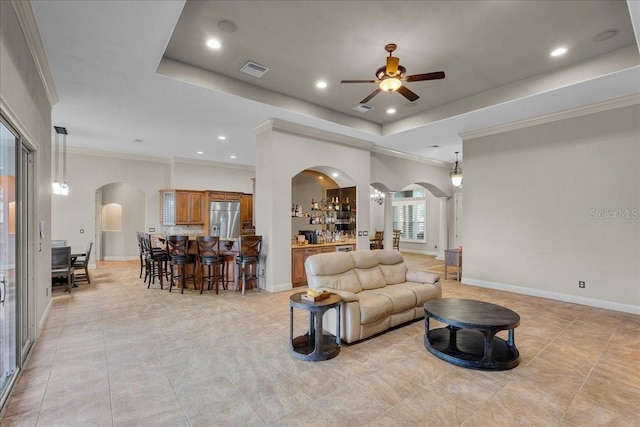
(411,96)
(357,81)
(368,98)
(426,76)
(392,65)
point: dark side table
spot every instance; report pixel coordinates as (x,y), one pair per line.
(469,339)
(315,345)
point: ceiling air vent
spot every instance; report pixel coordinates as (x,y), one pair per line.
(363,108)
(253,69)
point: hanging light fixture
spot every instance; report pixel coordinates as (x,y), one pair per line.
(378,197)
(61,188)
(456,173)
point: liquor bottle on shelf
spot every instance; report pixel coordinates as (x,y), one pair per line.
(315,205)
(337,204)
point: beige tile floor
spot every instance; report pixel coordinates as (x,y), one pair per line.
(115,353)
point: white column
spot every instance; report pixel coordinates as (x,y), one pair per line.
(443,242)
(388,221)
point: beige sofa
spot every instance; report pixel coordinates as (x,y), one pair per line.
(377,290)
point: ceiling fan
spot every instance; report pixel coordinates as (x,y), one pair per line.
(391,76)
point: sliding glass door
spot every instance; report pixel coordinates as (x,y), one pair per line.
(17,323)
(8,290)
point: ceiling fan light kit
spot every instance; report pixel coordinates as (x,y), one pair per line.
(391,76)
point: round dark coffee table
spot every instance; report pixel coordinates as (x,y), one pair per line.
(469,339)
(315,345)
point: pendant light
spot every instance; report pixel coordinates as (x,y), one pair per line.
(61,188)
(456,173)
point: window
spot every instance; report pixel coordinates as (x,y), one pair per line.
(409,216)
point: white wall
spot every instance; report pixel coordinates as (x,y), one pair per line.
(532,201)
(212,176)
(24,101)
(309,147)
(87,172)
(116,242)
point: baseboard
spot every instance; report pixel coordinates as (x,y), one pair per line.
(592,302)
(414,251)
(44,317)
(121,258)
(287,286)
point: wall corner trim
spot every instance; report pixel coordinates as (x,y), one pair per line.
(405,156)
(27,21)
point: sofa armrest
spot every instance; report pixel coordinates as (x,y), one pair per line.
(346,296)
(422,277)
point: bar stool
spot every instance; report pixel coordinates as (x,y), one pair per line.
(209,254)
(155,261)
(179,260)
(248,261)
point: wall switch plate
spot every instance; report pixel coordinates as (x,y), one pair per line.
(152,230)
(360,233)
(581,284)
(82,231)
(365,233)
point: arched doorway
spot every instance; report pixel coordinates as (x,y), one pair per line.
(120,212)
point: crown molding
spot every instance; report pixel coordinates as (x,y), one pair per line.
(610,104)
(7,111)
(115,155)
(308,131)
(213,163)
(27,21)
(413,157)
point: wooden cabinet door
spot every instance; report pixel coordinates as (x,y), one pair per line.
(298,276)
(246,209)
(327,249)
(182,207)
(196,208)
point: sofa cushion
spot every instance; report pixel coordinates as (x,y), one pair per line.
(401,298)
(392,266)
(423,292)
(374,307)
(332,270)
(371,278)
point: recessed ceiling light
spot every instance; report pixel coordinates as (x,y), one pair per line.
(391,111)
(213,44)
(222,137)
(232,157)
(200,152)
(559,51)
(321,85)
(335,174)
(227,25)
(605,35)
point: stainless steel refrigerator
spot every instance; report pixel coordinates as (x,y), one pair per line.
(225,219)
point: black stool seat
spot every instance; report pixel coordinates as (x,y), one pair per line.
(210,257)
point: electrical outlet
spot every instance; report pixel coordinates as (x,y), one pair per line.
(82,231)
(581,284)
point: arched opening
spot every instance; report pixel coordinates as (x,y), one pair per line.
(419,209)
(120,212)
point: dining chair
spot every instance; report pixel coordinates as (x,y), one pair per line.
(179,259)
(82,263)
(248,260)
(61,265)
(210,257)
(376,243)
(396,239)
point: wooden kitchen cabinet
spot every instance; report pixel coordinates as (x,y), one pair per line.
(182,207)
(246,209)
(298,257)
